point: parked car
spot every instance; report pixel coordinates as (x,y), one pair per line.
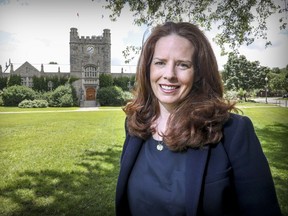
(285,95)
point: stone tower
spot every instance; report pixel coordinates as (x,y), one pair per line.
(89,56)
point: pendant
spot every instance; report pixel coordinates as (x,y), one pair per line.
(159,147)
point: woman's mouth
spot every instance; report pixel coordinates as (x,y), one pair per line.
(169,88)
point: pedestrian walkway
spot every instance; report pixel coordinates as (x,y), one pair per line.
(272,100)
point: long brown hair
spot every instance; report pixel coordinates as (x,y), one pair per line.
(198,119)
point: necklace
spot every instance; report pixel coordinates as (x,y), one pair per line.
(160,146)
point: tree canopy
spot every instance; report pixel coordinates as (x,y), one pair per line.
(239,73)
(239,22)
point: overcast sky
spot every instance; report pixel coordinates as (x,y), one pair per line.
(37,31)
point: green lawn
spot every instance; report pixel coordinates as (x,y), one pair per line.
(66,163)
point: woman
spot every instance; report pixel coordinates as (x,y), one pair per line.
(185,153)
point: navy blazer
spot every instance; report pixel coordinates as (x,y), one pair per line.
(228,178)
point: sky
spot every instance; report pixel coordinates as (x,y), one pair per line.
(37,31)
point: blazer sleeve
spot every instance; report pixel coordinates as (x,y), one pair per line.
(127,137)
(251,173)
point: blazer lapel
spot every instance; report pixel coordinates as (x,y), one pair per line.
(195,168)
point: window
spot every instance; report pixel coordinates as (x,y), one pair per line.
(90,72)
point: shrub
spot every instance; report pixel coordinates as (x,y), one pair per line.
(1,101)
(62,96)
(111,96)
(13,95)
(33,104)
(127,96)
(231,95)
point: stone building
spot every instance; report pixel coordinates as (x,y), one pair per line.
(89,56)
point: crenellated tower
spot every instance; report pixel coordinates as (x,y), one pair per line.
(89,56)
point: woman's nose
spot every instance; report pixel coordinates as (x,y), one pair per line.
(169,72)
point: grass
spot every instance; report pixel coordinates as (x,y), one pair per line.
(59,163)
(66,163)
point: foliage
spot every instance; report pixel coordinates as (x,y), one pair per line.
(1,100)
(122,82)
(278,79)
(44,84)
(3,82)
(14,80)
(239,73)
(13,95)
(127,96)
(111,96)
(40,83)
(33,104)
(105,80)
(62,96)
(231,95)
(238,22)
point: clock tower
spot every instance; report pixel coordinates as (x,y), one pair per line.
(89,56)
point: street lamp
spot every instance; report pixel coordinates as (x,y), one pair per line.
(266,88)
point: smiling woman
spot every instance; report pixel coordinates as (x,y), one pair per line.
(185,152)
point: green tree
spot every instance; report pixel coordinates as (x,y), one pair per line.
(239,73)
(3,82)
(105,80)
(238,22)
(14,80)
(122,82)
(278,80)
(40,83)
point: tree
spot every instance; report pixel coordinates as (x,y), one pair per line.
(278,80)
(239,73)
(14,80)
(238,21)
(105,80)
(3,82)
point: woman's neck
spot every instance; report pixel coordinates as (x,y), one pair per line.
(161,121)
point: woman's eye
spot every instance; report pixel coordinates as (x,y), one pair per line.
(183,65)
(160,63)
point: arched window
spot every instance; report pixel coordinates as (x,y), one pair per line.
(90,71)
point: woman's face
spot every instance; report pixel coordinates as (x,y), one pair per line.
(171,70)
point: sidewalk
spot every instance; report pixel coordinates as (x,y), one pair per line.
(272,100)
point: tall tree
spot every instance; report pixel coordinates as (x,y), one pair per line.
(238,21)
(239,73)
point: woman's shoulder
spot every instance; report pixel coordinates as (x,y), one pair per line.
(238,131)
(237,120)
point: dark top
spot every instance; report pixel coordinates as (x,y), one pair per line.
(157,182)
(231,177)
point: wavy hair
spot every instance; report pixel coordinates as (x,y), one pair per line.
(199,117)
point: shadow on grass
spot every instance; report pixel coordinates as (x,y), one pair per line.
(275,146)
(88,191)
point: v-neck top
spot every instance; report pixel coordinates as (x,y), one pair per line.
(156,184)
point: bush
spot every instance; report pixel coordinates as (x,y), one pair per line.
(33,104)
(13,95)
(62,96)
(111,96)
(1,101)
(127,96)
(231,95)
